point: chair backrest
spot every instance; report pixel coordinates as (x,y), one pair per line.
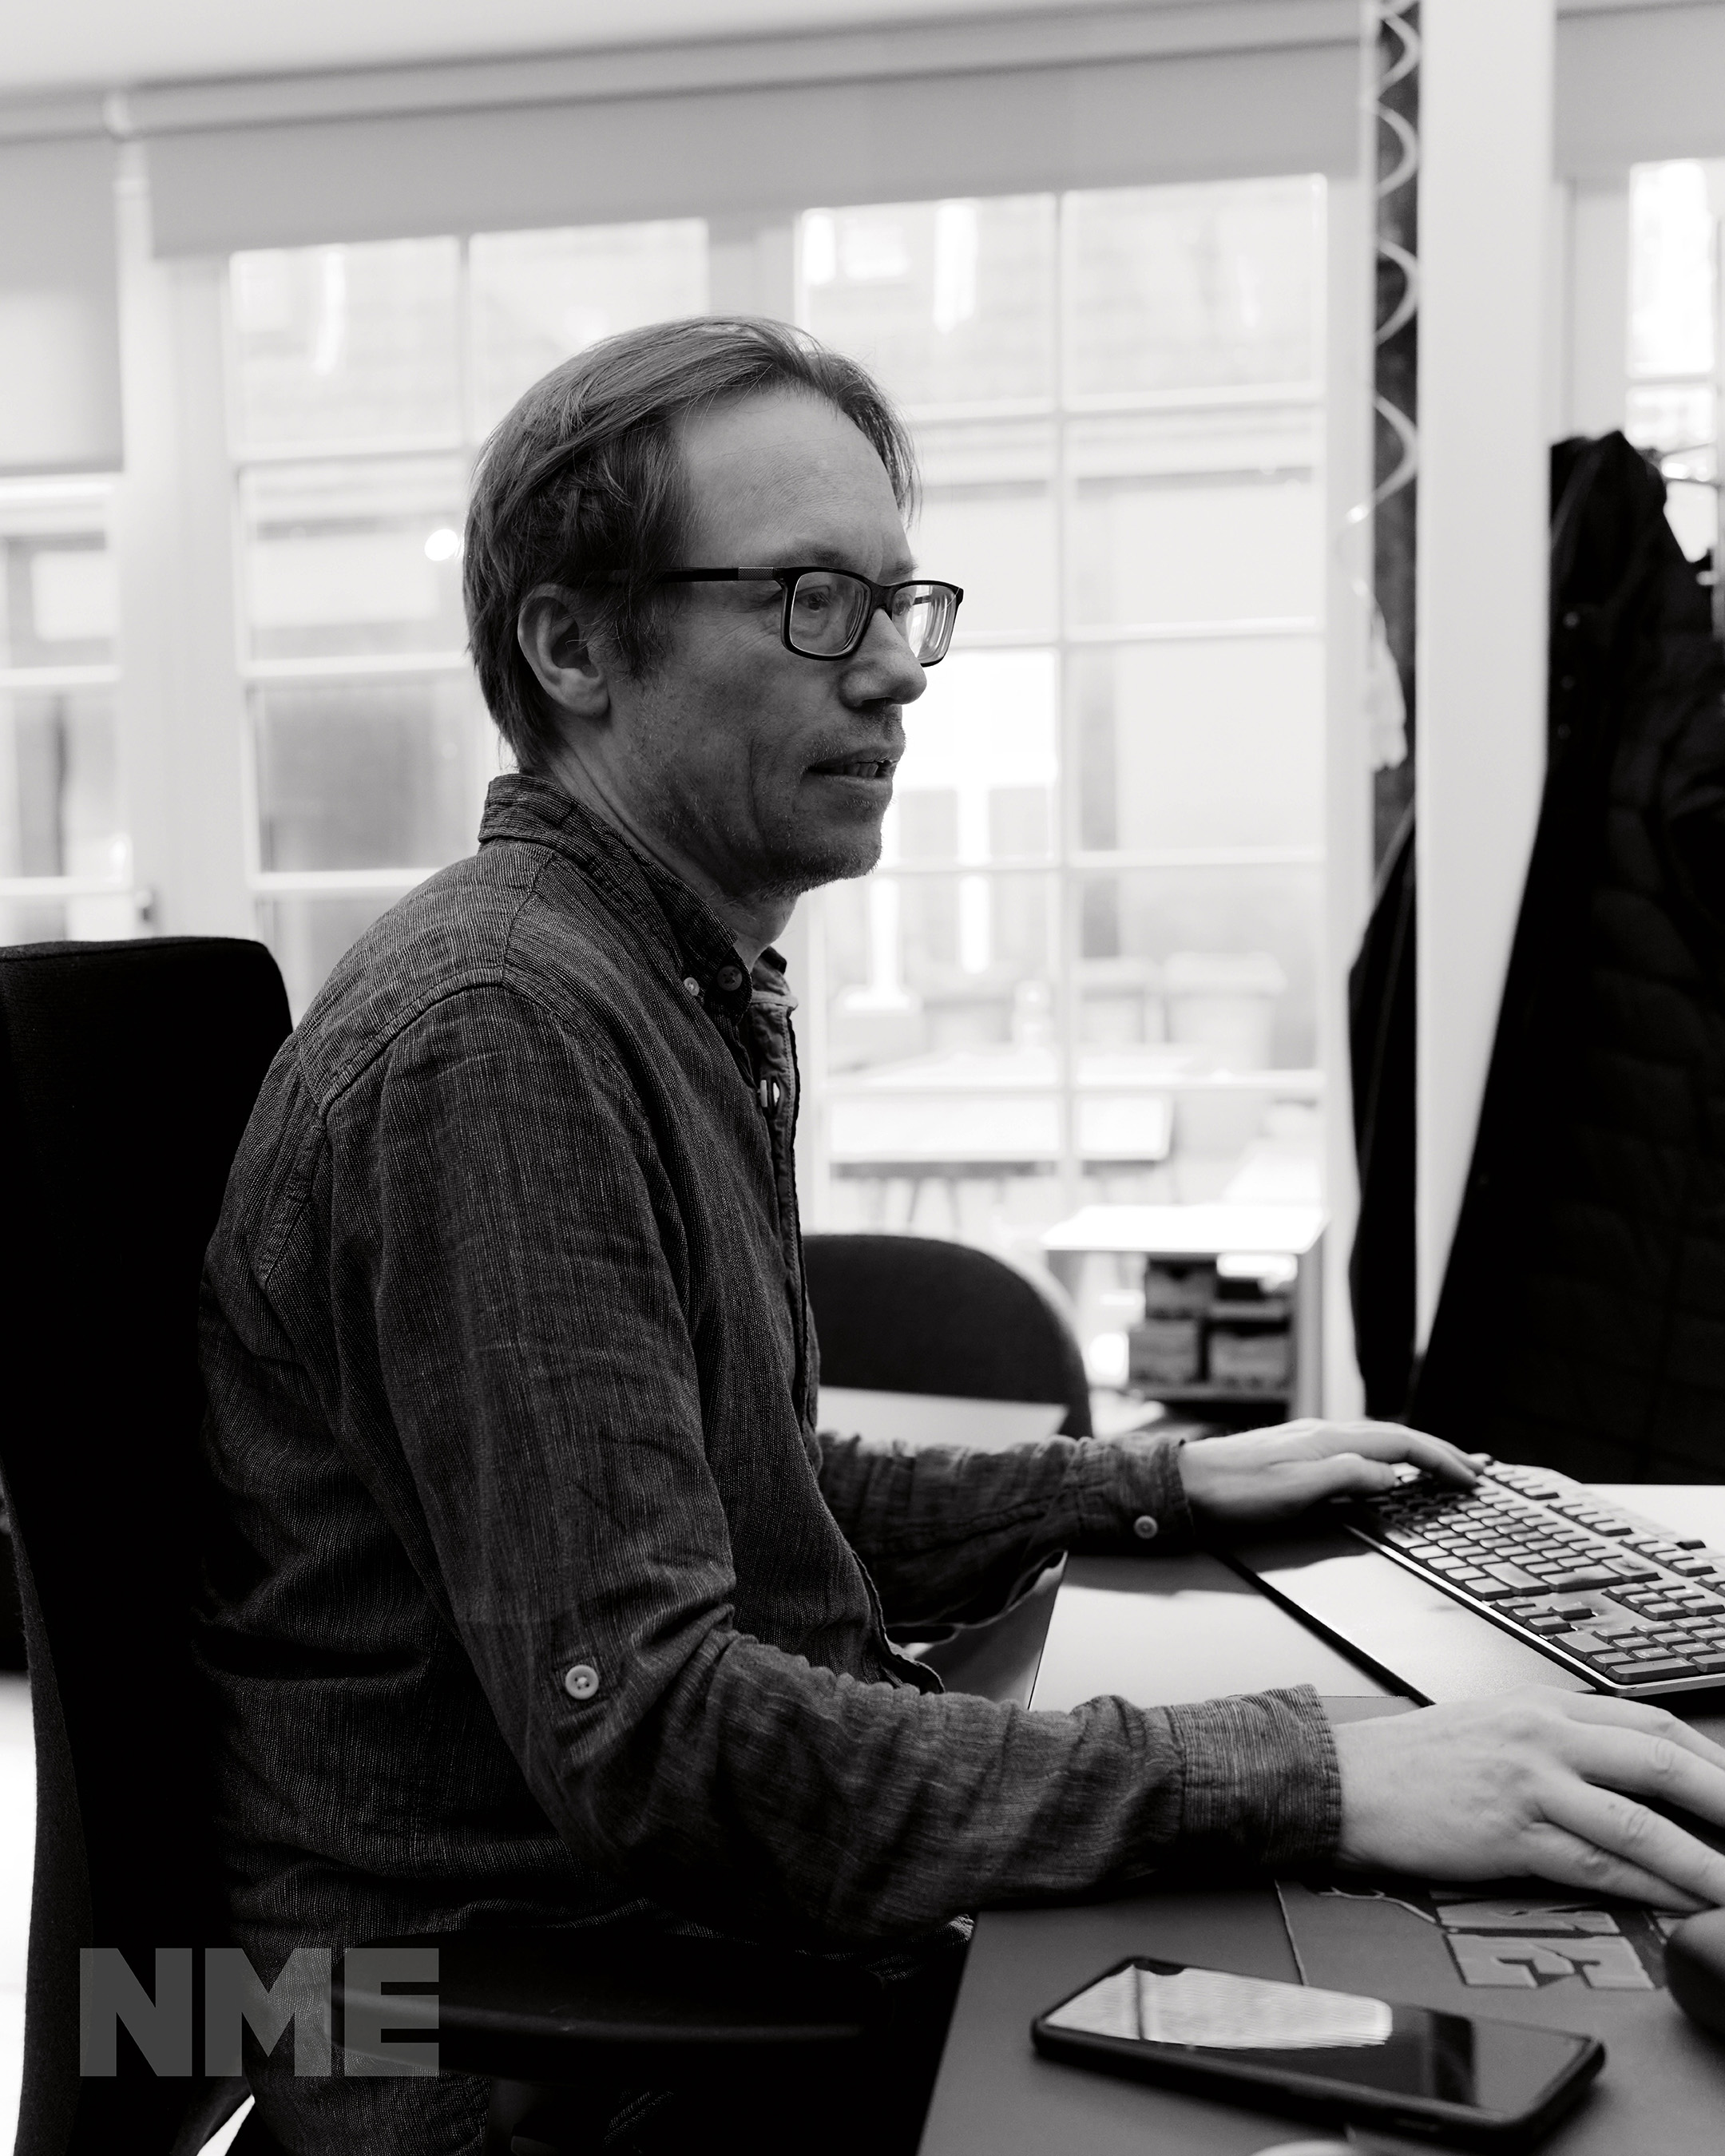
(911,1314)
(127,1072)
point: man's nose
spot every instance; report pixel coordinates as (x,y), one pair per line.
(883,667)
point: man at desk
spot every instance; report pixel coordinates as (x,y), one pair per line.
(539,1597)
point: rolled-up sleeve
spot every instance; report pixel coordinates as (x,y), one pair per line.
(546,1469)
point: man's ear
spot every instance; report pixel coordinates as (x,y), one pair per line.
(564,663)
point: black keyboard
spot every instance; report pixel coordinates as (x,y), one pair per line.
(1633,1607)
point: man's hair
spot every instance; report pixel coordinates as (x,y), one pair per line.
(583,479)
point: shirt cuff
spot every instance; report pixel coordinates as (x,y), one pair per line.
(1130,1496)
(1260,1774)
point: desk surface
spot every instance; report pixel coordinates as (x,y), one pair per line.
(1157,1632)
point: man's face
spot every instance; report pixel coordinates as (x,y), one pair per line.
(771,770)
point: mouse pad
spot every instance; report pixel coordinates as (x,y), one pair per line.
(1512,1952)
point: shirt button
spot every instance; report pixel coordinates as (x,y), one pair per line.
(581,1680)
(729,976)
(692,985)
(1145,1528)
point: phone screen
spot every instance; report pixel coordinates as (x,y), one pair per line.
(1297,2035)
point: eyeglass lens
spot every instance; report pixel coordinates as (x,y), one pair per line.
(829,612)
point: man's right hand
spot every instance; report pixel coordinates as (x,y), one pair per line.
(1553,1785)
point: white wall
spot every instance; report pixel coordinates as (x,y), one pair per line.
(1480,660)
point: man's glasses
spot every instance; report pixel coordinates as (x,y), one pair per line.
(827,612)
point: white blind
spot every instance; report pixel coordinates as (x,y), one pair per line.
(59,336)
(1637,82)
(765,146)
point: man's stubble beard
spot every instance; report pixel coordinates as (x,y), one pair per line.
(793,869)
(790,866)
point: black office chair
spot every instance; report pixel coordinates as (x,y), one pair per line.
(911,1314)
(127,1072)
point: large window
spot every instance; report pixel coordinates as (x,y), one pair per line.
(65,858)
(1087,966)
(362,379)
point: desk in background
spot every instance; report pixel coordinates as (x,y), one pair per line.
(1158,1631)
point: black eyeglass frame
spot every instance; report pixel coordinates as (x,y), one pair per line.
(788,576)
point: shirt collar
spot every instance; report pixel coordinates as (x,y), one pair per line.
(519,806)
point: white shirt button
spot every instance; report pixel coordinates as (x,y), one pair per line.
(692,985)
(581,1680)
(1145,1528)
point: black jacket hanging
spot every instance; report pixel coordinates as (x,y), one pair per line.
(1381,1047)
(1582,1322)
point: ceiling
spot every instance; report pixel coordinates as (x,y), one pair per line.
(110,44)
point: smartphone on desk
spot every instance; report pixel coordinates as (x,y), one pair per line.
(1323,2055)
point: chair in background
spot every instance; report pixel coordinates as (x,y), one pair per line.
(909,1314)
(127,1073)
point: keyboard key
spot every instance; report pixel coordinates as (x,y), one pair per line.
(1633,1567)
(1662,1666)
(1546,1622)
(1710,1660)
(1512,1578)
(1579,1643)
(1584,1575)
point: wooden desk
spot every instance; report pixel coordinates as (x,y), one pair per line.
(1158,1632)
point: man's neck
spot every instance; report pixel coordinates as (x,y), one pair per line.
(752,924)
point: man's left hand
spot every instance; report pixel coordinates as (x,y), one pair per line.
(1265,1475)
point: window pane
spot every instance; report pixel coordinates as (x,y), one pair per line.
(1203,287)
(1671,418)
(339,344)
(537,297)
(353,557)
(1671,270)
(1219,971)
(1139,921)
(987,523)
(59,793)
(1169,528)
(368,775)
(59,600)
(948,303)
(939,965)
(1208,743)
(28,920)
(308,935)
(978,777)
